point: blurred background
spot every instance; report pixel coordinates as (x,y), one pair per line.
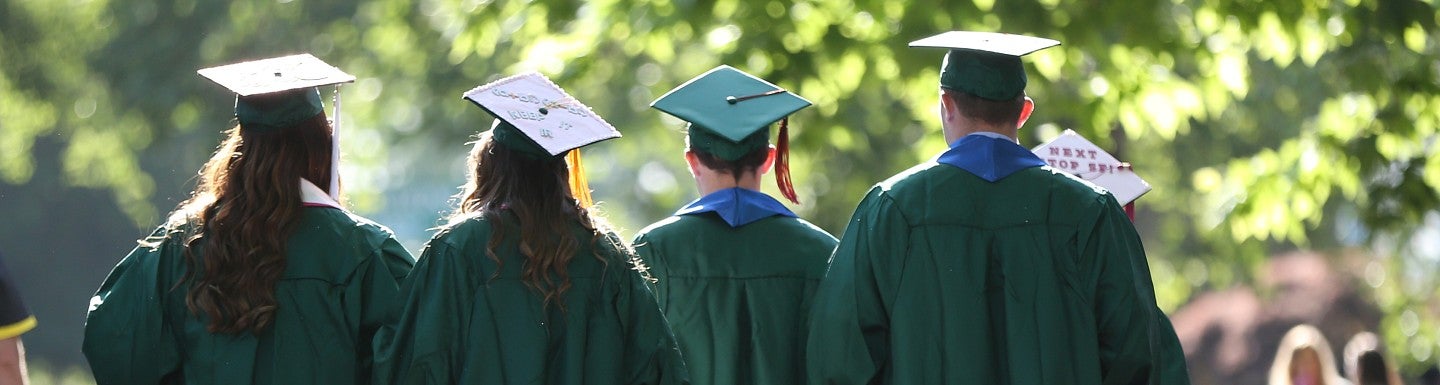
(1292,145)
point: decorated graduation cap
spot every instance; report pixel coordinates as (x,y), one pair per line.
(537,118)
(730,113)
(278,93)
(984,64)
(1078,156)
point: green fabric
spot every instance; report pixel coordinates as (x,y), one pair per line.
(341,283)
(988,75)
(944,278)
(736,297)
(729,103)
(468,320)
(705,140)
(270,112)
(512,138)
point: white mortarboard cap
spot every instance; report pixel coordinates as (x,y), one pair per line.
(1001,43)
(984,64)
(1072,153)
(276,74)
(542,111)
(277,93)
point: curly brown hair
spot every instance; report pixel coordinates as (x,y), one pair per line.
(536,191)
(241,213)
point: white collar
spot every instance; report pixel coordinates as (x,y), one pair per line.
(313,195)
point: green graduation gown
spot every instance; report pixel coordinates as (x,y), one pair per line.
(943,277)
(469,320)
(341,283)
(736,296)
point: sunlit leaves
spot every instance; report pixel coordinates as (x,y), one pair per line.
(22,119)
(1255,121)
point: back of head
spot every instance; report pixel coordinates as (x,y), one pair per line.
(1370,369)
(534,190)
(730,113)
(1431,376)
(983,74)
(1304,354)
(747,164)
(1364,361)
(242,212)
(996,113)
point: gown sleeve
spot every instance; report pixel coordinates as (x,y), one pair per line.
(1171,355)
(654,263)
(1167,356)
(651,354)
(379,288)
(848,338)
(1137,343)
(127,337)
(423,347)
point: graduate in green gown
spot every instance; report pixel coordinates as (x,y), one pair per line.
(983,265)
(735,268)
(261,277)
(526,285)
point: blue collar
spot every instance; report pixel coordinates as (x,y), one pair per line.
(737,206)
(988,157)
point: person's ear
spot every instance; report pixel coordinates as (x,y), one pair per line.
(769,161)
(1025,111)
(948,109)
(694,163)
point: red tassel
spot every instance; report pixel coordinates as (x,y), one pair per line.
(782,162)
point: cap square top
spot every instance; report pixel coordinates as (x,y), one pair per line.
(984,64)
(1000,43)
(730,103)
(542,111)
(276,74)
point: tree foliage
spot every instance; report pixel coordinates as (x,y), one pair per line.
(1262,125)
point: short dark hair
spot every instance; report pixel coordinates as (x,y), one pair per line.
(1371,369)
(993,112)
(751,161)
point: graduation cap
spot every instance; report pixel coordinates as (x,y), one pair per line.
(1072,153)
(984,64)
(277,93)
(537,118)
(730,113)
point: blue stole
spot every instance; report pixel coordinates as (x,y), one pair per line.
(737,206)
(991,157)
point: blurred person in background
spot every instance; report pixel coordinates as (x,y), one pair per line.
(1365,362)
(1305,358)
(1430,377)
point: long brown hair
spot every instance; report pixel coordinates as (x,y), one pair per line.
(241,213)
(537,191)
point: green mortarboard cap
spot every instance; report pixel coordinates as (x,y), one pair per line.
(729,111)
(278,92)
(537,117)
(984,64)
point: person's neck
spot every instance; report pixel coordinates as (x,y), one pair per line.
(954,133)
(712,182)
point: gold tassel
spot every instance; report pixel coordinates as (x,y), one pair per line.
(579,185)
